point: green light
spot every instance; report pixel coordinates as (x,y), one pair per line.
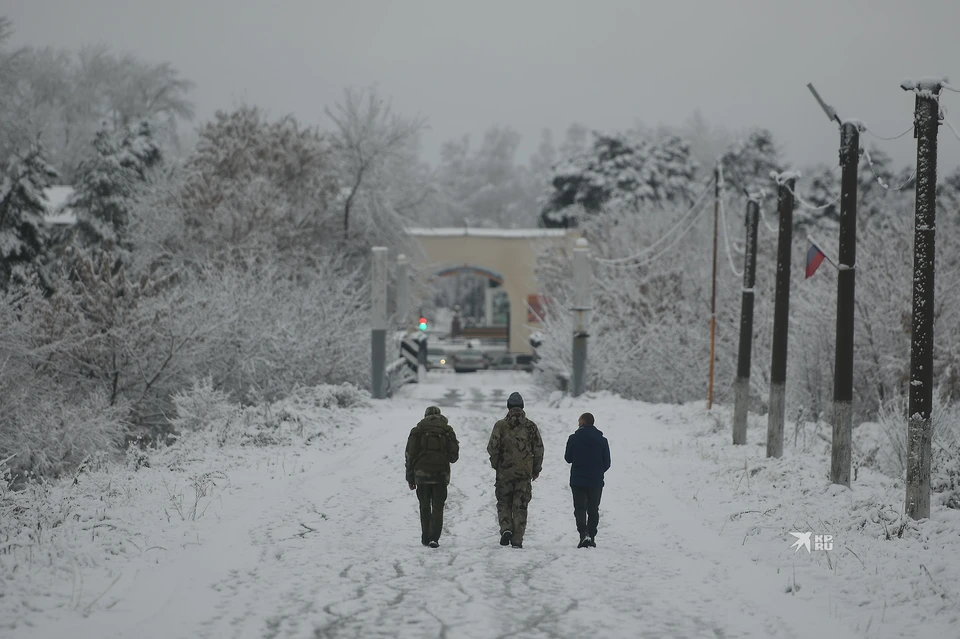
(423,323)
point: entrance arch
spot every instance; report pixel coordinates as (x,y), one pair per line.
(508,254)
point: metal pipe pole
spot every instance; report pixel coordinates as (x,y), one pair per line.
(403,292)
(841,447)
(581,310)
(920,427)
(378,333)
(741,385)
(781,318)
(713,291)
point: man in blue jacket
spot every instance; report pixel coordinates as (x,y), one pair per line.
(588,452)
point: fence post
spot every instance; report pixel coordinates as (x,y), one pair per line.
(920,428)
(841,447)
(422,358)
(378,333)
(781,317)
(403,293)
(741,385)
(581,310)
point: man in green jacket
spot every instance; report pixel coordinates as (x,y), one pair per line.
(516,453)
(431,447)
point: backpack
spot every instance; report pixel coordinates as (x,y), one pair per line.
(432,451)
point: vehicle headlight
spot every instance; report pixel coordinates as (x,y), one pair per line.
(443,361)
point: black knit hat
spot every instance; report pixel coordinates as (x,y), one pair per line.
(431,410)
(514,401)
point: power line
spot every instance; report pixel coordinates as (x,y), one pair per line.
(813,207)
(662,252)
(880,137)
(645,251)
(880,181)
(763,216)
(726,240)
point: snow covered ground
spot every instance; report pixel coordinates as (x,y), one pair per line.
(322,540)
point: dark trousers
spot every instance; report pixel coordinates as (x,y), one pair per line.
(432,497)
(586,509)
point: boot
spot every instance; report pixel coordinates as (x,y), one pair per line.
(505,537)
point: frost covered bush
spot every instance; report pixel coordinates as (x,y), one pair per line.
(202,407)
(53,417)
(59,436)
(329,396)
(268,331)
(945,461)
(7,495)
(207,413)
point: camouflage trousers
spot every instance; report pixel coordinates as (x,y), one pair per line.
(432,498)
(513,495)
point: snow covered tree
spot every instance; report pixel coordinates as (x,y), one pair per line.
(620,172)
(22,207)
(65,96)
(253,184)
(543,161)
(748,163)
(575,142)
(108,183)
(14,116)
(950,183)
(670,171)
(139,141)
(374,148)
(120,90)
(707,141)
(487,187)
(819,187)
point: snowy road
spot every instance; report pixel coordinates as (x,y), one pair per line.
(332,549)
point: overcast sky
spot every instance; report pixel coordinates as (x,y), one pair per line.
(534,64)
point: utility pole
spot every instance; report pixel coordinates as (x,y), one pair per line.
(378,333)
(741,385)
(920,428)
(402,292)
(781,317)
(841,447)
(713,291)
(581,310)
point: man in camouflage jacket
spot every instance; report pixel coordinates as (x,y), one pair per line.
(431,447)
(516,453)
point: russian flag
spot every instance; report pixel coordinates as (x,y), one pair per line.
(814,259)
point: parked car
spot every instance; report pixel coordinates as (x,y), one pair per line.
(514,362)
(438,358)
(469,360)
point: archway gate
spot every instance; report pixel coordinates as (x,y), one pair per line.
(510,254)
